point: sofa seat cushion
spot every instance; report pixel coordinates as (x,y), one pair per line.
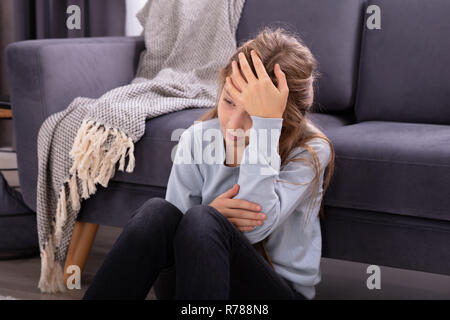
(327,122)
(399,168)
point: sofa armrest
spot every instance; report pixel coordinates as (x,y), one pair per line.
(46,75)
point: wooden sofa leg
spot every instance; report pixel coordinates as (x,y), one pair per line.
(83,237)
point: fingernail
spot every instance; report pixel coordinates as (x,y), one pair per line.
(262,215)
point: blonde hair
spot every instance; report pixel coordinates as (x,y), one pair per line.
(300,67)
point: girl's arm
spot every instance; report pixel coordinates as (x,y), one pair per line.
(259,181)
(184,188)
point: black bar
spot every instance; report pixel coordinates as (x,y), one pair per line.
(49,21)
(87,18)
(31,20)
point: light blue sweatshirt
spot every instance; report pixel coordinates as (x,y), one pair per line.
(295,251)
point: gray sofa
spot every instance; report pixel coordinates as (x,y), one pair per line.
(383,100)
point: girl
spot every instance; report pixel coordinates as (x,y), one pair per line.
(236,228)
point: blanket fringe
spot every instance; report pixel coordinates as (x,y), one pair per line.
(90,160)
(61,215)
(51,280)
(92,164)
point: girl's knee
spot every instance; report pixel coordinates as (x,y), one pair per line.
(201,222)
(199,217)
(156,211)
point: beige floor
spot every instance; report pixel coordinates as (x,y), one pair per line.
(340,279)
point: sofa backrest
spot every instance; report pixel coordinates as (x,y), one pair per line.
(405,65)
(331,29)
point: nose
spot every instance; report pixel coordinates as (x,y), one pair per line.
(236,122)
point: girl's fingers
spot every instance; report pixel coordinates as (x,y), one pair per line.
(244,229)
(243,214)
(246,69)
(242,204)
(237,76)
(259,66)
(282,82)
(231,90)
(245,222)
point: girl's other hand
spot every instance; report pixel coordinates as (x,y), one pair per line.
(243,214)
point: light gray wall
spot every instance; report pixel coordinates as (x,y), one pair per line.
(132,25)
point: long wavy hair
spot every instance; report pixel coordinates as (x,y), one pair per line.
(277,45)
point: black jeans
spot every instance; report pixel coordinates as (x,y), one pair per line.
(212,258)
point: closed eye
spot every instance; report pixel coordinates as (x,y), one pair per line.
(227,101)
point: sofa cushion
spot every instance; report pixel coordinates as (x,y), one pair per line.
(405,66)
(330,28)
(327,122)
(392,167)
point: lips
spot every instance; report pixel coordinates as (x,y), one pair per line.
(232,137)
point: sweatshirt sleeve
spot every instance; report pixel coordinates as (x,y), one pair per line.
(184,188)
(260,175)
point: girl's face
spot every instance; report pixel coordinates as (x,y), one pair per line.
(235,122)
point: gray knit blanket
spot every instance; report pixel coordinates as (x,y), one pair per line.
(186,43)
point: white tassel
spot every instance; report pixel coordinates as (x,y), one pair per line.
(51,280)
(61,215)
(123,151)
(91,185)
(77,142)
(74,196)
(130,167)
(85,192)
(95,167)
